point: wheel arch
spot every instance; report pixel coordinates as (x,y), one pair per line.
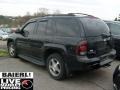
(52,50)
(9,40)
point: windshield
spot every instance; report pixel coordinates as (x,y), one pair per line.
(94,27)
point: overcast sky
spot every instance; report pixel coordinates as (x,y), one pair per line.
(104,9)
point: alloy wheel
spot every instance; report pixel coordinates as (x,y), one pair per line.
(54,67)
(11,50)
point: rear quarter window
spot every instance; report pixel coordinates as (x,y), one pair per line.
(67,27)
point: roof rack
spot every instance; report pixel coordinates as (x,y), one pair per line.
(80,14)
(58,15)
(77,14)
(70,14)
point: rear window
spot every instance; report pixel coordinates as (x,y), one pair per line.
(94,27)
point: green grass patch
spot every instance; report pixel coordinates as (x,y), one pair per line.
(3,53)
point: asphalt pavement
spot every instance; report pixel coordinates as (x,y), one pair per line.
(94,80)
(3,44)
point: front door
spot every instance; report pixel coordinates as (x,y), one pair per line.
(24,46)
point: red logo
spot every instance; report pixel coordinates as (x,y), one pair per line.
(27,84)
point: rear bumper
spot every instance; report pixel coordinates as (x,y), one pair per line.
(84,63)
(85,59)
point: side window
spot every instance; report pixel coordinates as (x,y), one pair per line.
(41,27)
(67,27)
(50,27)
(29,28)
(115,29)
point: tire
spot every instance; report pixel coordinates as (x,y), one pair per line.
(56,67)
(115,87)
(117,55)
(12,50)
(116,79)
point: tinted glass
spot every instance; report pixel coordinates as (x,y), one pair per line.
(94,26)
(115,29)
(29,28)
(41,27)
(67,27)
(50,27)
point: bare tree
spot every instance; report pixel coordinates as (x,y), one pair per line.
(117,18)
(42,12)
(57,12)
(28,14)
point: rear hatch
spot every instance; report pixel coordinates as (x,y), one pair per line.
(97,35)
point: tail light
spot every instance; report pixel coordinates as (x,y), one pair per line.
(82,48)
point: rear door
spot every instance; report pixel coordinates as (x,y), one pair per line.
(39,38)
(98,36)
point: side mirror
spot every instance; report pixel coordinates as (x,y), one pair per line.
(18,31)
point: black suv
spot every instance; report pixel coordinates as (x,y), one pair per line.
(115,32)
(64,43)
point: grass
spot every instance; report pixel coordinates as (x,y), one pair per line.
(3,53)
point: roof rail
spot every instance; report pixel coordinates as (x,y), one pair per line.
(69,14)
(58,15)
(77,13)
